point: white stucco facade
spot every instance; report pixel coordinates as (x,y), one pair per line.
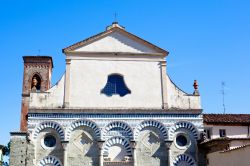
(116,53)
(88,78)
(231,131)
(53,98)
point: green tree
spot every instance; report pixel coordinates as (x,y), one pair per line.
(6,152)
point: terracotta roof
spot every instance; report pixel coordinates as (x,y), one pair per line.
(226,118)
(236,148)
(113,29)
(220,144)
(226,139)
(214,145)
(215,140)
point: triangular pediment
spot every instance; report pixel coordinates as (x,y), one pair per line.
(115,40)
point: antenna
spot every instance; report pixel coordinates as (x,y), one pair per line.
(223,84)
(115,17)
(39,51)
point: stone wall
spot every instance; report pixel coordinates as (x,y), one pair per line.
(189,149)
(18,149)
(112,139)
(151,149)
(83,148)
(41,150)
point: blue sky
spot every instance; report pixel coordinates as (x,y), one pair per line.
(208,40)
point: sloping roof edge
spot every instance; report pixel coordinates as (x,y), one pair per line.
(104,33)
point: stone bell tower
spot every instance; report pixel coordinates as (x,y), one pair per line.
(36,78)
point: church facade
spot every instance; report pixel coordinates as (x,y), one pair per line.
(115,105)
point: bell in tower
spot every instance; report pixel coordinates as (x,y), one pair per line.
(36,83)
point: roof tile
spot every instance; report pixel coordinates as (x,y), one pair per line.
(226,118)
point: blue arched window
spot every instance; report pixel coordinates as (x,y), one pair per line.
(115,85)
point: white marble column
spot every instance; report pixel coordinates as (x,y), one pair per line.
(168,144)
(65,144)
(133,146)
(100,145)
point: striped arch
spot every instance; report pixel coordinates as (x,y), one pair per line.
(50,160)
(186,125)
(83,122)
(184,158)
(151,123)
(116,140)
(118,124)
(49,124)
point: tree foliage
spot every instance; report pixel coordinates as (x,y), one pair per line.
(6,150)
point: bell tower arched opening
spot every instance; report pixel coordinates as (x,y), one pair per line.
(36,83)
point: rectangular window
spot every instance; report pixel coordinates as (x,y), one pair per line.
(208,133)
(248,131)
(222,132)
(207,161)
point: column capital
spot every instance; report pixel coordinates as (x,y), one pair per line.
(100,144)
(133,144)
(163,63)
(64,144)
(168,144)
(68,61)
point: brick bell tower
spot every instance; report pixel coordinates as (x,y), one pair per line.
(36,78)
